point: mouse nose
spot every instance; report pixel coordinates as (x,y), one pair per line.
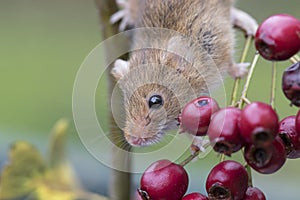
(134,140)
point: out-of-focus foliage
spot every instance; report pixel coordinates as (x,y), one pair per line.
(29,176)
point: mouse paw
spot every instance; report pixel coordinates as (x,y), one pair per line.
(120,69)
(244,21)
(239,70)
(126,14)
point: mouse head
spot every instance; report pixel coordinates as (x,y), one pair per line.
(152,97)
(150,111)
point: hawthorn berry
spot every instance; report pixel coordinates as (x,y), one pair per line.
(291,83)
(266,159)
(196,115)
(278,37)
(258,123)
(195,196)
(253,193)
(227,180)
(164,179)
(223,131)
(297,122)
(289,136)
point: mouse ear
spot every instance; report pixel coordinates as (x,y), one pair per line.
(120,69)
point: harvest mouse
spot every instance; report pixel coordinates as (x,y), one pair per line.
(184,48)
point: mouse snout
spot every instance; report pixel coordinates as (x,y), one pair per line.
(144,131)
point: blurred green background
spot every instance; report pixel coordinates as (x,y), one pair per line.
(42,45)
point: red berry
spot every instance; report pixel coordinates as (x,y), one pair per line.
(297,122)
(258,123)
(290,137)
(278,37)
(227,180)
(195,196)
(223,131)
(195,116)
(291,83)
(254,193)
(164,180)
(266,159)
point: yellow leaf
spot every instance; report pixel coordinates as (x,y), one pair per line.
(25,164)
(27,176)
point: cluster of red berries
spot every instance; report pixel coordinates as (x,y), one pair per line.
(167,180)
(266,141)
(256,127)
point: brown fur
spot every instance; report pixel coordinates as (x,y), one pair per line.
(180,62)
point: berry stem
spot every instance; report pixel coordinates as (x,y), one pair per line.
(249,171)
(194,155)
(296,57)
(293,60)
(235,90)
(273,84)
(249,76)
(247,101)
(190,158)
(237,80)
(222,157)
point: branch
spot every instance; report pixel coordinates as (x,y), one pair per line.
(119,188)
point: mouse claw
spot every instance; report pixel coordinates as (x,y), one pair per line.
(120,14)
(244,21)
(117,16)
(122,3)
(239,70)
(127,14)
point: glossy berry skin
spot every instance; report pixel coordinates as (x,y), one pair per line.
(227,180)
(258,123)
(196,115)
(195,196)
(289,136)
(223,131)
(266,159)
(297,122)
(278,37)
(291,83)
(253,193)
(164,180)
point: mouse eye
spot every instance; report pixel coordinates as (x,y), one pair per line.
(155,101)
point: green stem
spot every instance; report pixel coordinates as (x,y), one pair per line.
(192,156)
(293,60)
(235,90)
(244,99)
(246,49)
(237,80)
(249,172)
(222,157)
(296,57)
(273,85)
(247,83)
(189,159)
